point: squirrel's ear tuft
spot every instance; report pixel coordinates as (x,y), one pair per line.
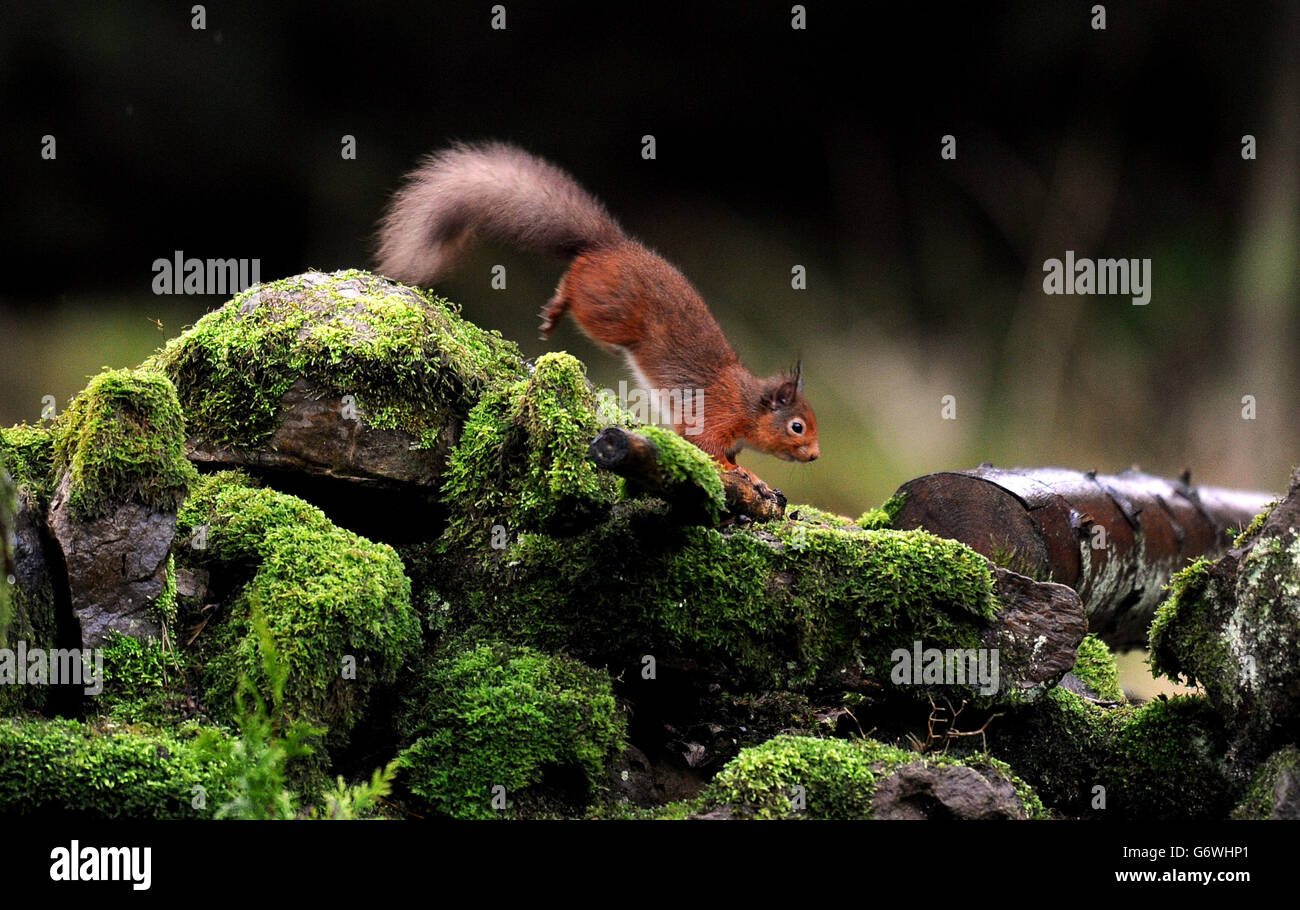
(797,375)
(780,392)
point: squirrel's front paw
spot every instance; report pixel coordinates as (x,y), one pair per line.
(760,487)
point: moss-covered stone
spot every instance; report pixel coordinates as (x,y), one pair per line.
(1274,792)
(28,613)
(408,358)
(28,455)
(1060,745)
(1163,760)
(803,777)
(336,606)
(105,771)
(121,440)
(1168,763)
(8,515)
(1095,667)
(542,727)
(1234,627)
(773,606)
(521,463)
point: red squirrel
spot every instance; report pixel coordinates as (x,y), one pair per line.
(623,296)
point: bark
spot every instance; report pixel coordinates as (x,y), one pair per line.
(1115,539)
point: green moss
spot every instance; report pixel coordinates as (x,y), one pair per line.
(123,439)
(1095,666)
(685,463)
(165,606)
(136,678)
(408,358)
(496,715)
(8,512)
(813,516)
(1273,785)
(70,769)
(1184,635)
(336,605)
(772,606)
(522,459)
(833,778)
(883,515)
(28,454)
(1167,763)
(1256,524)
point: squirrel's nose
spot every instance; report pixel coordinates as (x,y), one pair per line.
(814,453)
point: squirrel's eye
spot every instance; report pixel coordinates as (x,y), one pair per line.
(796,428)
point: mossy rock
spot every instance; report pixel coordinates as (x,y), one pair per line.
(1060,745)
(772,606)
(1168,763)
(802,777)
(119,460)
(1161,761)
(8,542)
(122,440)
(336,605)
(347,386)
(1233,626)
(1275,790)
(27,612)
(65,768)
(521,463)
(541,727)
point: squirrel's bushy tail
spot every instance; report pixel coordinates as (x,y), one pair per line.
(491,190)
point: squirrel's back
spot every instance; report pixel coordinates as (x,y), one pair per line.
(489,190)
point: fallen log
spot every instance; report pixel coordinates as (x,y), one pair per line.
(1115,539)
(636,458)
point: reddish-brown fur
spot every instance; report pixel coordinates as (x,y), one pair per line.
(621,294)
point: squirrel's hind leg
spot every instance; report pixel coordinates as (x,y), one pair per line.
(554,311)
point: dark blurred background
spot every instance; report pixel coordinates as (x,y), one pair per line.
(775,147)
